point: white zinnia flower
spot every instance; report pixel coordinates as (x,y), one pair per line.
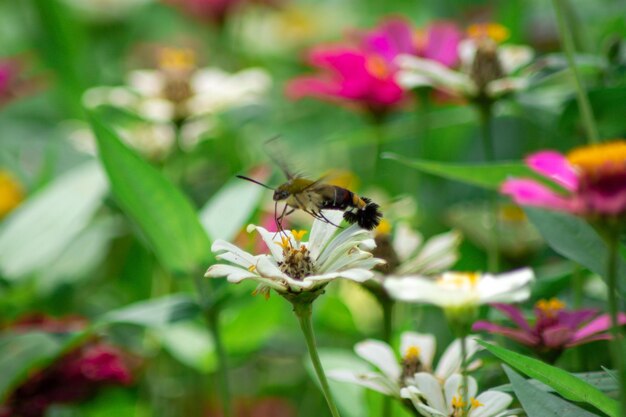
(431,400)
(453,290)
(294,266)
(417,352)
(486,69)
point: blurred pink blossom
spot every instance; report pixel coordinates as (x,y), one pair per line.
(363,72)
(593,179)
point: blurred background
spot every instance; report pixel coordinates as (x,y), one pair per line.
(76,272)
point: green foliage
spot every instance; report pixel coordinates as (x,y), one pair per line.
(165,217)
(564,383)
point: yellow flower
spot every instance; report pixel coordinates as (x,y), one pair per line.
(11,193)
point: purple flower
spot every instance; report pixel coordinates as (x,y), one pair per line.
(554,329)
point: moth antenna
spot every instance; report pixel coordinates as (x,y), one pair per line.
(255,181)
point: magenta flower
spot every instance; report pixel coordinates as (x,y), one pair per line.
(72,378)
(593,180)
(554,329)
(363,73)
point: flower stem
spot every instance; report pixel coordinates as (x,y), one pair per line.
(464,387)
(493,250)
(387,306)
(213,316)
(581,96)
(304,312)
(616,343)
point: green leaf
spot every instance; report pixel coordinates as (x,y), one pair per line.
(227,211)
(564,383)
(573,238)
(489,176)
(40,229)
(163,213)
(538,403)
(156,312)
(602,380)
(191,344)
(20,354)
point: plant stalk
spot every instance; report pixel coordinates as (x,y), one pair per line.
(213,316)
(464,387)
(567,40)
(493,250)
(304,313)
(387,306)
(616,343)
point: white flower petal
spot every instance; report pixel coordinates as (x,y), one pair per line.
(502,86)
(236,255)
(406,241)
(371,380)
(380,355)
(234,274)
(441,77)
(506,288)
(357,275)
(156,109)
(430,388)
(439,253)
(271,239)
(322,232)
(493,403)
(514,57)
(419,289)
(450,361)
(426,344)
(467,53)
(148,83)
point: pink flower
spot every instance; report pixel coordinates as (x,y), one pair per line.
(73,377)
(364,72)
(593,180)
(555,328)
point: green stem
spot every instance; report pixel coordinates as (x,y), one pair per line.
(581,95)
(387,306)
(212,318)
(304,312)
(616,343)
(493,250)
(465,386)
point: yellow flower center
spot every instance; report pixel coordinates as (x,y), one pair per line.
(377,66)
(475,403)
(493,31)
(176,59)
(551,307)
(284,243)
(11,193)
(298,234)
(512,213)
(412,353)
(459,280)
(594,159)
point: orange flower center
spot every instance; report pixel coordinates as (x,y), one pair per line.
(493,31)
(11,193)
(377,66)
(597,159)
(176,59)
(550,308)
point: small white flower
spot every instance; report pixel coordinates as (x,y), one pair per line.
(294,266)
(499,78)
(462,289)
(414,255)
(430,399)
(417,352)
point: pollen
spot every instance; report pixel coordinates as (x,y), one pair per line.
(298,234)
(512,213)
(457,402)
(383,228)
(459,280)
(176,59)
(284,243)
(474,403)
(551,307)
(377,66)
(11,193)
(252,268)
(297,262)
(493,31)
(412,353)
(595,159)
